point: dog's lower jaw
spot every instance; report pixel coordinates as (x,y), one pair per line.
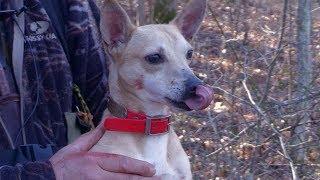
(149,108)
(125,96)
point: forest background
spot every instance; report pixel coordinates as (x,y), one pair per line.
(262,58)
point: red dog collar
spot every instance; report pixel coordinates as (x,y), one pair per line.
(138,123)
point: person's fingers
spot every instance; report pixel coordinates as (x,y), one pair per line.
(120,176)
(122,164)
(86,141)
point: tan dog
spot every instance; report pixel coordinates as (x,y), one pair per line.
(150,73)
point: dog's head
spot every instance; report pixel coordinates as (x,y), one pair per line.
(152,61)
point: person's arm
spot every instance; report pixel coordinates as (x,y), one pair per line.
(87,58)
(29,170)
(75,160)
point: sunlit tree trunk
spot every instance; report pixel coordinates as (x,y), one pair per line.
(131,5)
(150,6)
(140,13)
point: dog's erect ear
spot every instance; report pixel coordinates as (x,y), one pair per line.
(189,20)
(115,25)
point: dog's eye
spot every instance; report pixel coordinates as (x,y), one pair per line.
(154,59)
(189,54)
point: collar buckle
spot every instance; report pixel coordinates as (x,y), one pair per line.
(148,126)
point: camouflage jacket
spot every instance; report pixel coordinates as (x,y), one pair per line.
(85,66)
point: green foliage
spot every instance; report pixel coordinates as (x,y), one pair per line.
(163,11)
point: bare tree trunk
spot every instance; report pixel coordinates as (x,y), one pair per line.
(131,5)
(140,13)
(304,59)
(170,5)
(173,5)
(150,5)
(291,36)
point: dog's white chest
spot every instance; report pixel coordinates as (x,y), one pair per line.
(156,151)
(152,149)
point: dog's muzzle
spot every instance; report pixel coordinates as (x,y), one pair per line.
(197,96)
(200,99)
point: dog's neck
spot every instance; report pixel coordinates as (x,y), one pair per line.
(124,95)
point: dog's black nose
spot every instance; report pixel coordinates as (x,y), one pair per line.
(191,85)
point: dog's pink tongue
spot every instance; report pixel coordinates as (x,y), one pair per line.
(203,98)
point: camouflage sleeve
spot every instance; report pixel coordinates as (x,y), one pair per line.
(28,171)
(87,58)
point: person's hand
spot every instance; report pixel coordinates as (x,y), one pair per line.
(75,162)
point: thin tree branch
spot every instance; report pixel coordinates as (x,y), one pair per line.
(222,31)
(232,140)
(279,50)
(268,121)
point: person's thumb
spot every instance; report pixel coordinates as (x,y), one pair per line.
(86,141)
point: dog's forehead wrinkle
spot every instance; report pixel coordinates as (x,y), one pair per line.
(176,39)
(152,37)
